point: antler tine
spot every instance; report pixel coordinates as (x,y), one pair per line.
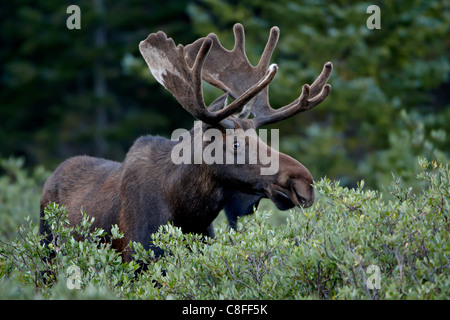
(168,65)
(197,109)
(270,47)
(322,79)
(310,97)
(239,39)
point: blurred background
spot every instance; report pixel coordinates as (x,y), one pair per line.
(69,92)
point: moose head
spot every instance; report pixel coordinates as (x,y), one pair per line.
(149,188)
(181,71)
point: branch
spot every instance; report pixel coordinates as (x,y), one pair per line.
(233,275)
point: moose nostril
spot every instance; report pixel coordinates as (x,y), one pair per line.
(302,200)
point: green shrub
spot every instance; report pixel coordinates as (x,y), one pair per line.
(321,253)
(352,244)
(20,193)
(65,264)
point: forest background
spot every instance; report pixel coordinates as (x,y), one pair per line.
(88,91)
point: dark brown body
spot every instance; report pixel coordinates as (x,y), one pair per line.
(147,190)
(138,195)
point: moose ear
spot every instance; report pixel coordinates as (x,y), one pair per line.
(220,103)
(227,124)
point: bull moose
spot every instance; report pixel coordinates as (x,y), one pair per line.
(148,189)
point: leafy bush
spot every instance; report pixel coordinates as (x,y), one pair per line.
(54,268)
(321,253)
(352,244)
(20,193)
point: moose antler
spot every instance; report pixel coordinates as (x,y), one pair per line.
(168,65)
(232,72)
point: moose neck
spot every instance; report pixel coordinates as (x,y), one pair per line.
(202,197)
(188,195)
(193,194)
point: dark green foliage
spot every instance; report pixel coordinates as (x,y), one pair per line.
(20,194)
(28,262)
(320,253)
(68,92)
(323,252)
